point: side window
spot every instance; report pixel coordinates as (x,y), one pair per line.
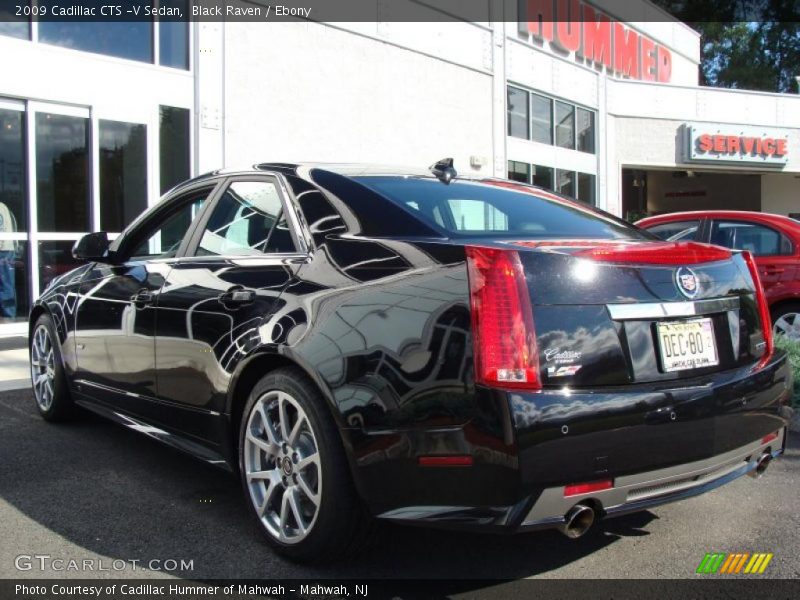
(679,231)
(758,239)
(163,239)
(247,220)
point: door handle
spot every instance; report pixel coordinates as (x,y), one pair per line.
(237,296)
(142,297)
(773,270)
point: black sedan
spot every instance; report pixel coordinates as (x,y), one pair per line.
(359,342)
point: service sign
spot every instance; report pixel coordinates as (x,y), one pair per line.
(735,144)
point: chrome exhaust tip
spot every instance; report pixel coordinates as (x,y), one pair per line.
(761,465)
(578,521)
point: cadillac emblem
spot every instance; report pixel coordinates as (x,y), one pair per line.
(687,282)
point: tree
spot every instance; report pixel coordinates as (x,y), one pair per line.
(750,44)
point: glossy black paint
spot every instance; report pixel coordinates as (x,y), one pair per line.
(381,324)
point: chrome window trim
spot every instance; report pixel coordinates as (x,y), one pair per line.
(658,310)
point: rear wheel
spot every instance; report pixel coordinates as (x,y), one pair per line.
(295,472)
(786,321)
(47,372)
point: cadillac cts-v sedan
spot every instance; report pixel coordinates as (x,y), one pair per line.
(358,342)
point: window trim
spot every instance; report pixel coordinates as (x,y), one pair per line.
(793,252)
(156,214)
(190,251)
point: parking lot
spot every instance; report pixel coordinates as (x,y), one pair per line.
(93,490)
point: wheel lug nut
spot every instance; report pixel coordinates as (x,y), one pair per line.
(295,458)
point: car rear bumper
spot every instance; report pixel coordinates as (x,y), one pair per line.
(645,490)
(656,443)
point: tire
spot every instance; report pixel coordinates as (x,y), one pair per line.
(50,390)
(786,321)
(296,477)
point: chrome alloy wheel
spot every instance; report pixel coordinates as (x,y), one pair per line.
(43,368)
(282,466)
(788,325)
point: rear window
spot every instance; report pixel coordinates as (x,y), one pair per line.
(473,209)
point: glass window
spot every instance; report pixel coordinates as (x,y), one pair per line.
(247,220)
(586,185)
(62,173)
(683,231)
(173,37)
(12,25)
(541,119)
(174,156)
(517,112)
(13,213)
(759,240)
(131,39)
(565,183)
(14,305)
(477,215)
(494,210)
(55,258)
(565,125)
(585,130)
(123,173)
(519,171)
(164,239)
(543,177)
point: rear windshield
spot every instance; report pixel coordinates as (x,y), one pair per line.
(472,209)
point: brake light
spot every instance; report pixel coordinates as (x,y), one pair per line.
(763,308)
(504,339)
(769,437)
(657,253)
(576,489)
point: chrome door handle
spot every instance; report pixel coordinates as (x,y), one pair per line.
(142,297)
(238,296)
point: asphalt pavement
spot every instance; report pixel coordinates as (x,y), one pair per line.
(92,490)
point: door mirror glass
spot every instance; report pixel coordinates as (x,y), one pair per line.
(92,246)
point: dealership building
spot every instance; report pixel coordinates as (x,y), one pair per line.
(98,120)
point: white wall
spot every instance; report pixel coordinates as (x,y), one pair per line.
(312,92)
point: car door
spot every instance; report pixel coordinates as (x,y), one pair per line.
(115,316)
(215,299)
(773,251)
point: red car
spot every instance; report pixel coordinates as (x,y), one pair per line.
(774,240)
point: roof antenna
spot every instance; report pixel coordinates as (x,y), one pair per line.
(444,170)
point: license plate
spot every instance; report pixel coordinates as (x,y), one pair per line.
(687,344)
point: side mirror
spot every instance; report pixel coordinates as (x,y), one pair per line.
(92,246)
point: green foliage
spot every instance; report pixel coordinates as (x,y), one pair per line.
(793,350)
(751,44)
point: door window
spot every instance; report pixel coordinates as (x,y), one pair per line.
(247,220)
(758,239)
(162,239)
(678,231)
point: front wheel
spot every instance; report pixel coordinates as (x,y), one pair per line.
(47,372)
(786,321)
(295,473)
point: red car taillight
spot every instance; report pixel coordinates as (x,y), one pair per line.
(763,307)
(504,339)
(657,253)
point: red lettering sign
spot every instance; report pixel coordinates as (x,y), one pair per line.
(740,145)
(574,26)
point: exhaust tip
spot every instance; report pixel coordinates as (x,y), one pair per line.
(761,465)
(578,521)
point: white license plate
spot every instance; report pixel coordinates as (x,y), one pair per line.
(687,344)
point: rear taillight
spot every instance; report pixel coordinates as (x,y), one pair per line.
(576,489)
(656,253)
(763,307)
(504,340)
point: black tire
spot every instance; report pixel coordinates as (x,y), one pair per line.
(341,524)
(786,310)
(56,405)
